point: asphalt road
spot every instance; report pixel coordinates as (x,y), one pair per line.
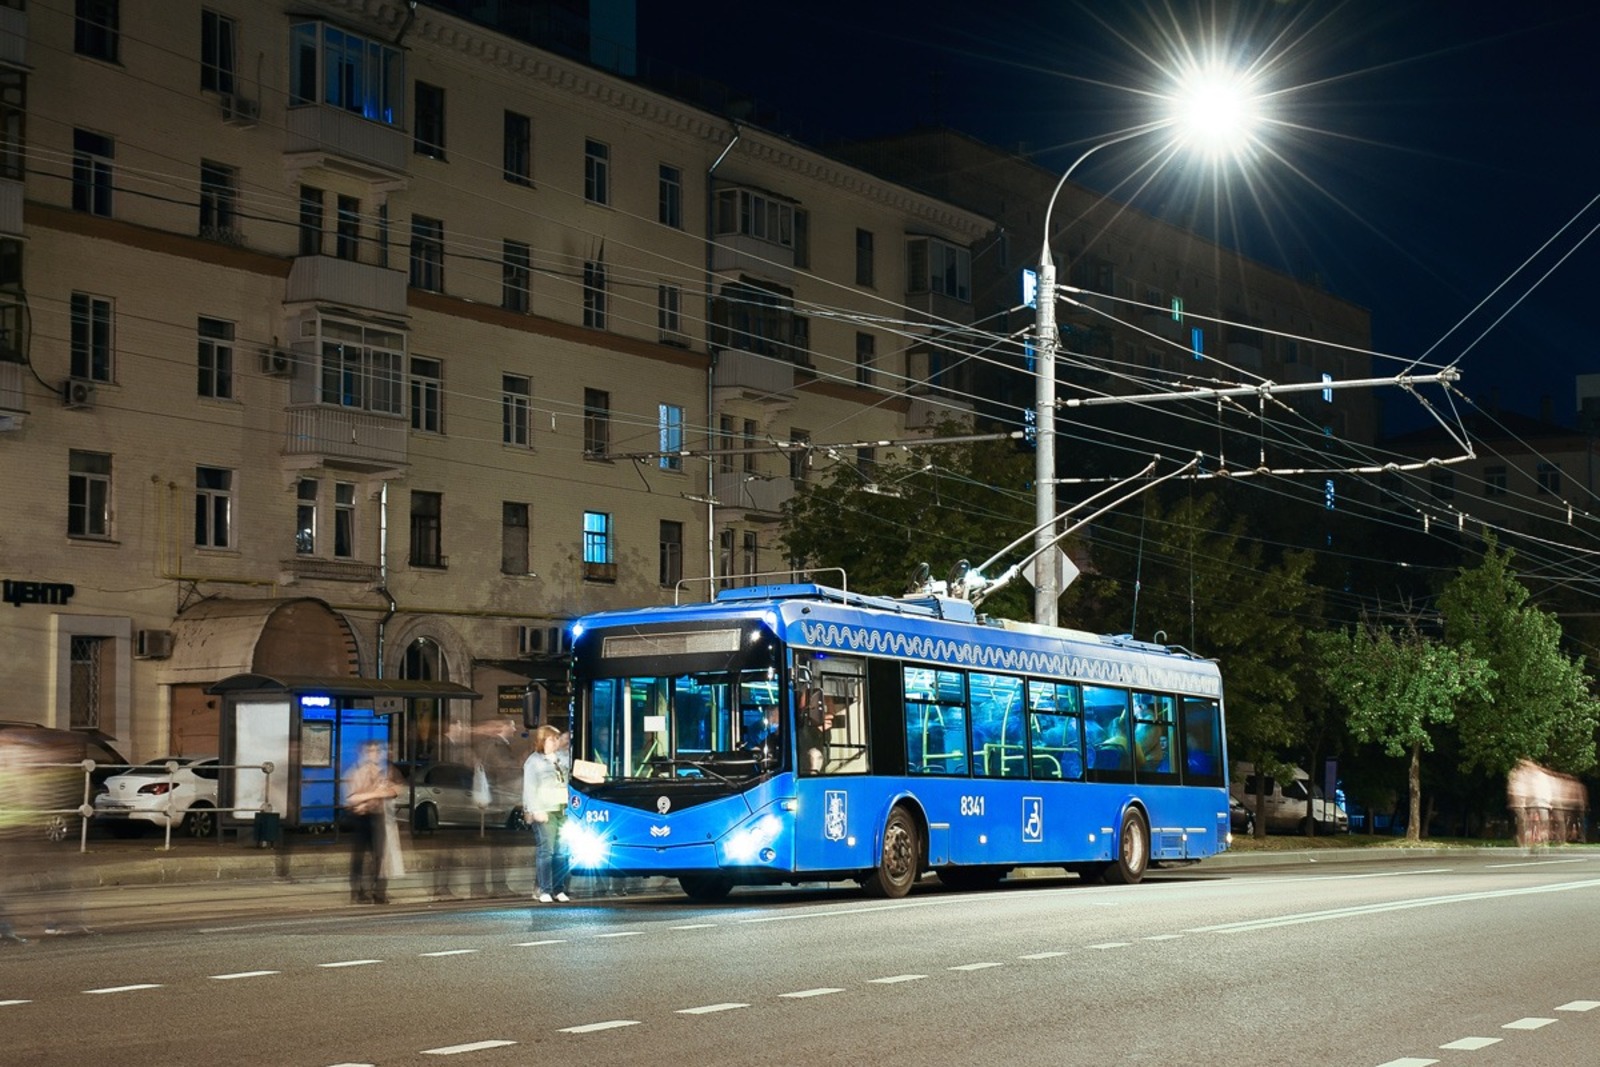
(1471,959)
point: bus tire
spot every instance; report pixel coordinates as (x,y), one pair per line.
(706,888)
(897,871)
(971,878)
(1133,852)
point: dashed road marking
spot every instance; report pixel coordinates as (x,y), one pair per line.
(13,1003)
(1162,937)
(710,1009)
(241,974)
(449,952)
(1409,1061)
(471,1046)
(801,994)
(536,944)
(894,978)
(125,988)
(1471,1044)
(1112,944)
(1530,1023)
(590,1028)
(621,933)
(694,926)
(349,963)
(1579,1005)
(973,966)
(1041,955)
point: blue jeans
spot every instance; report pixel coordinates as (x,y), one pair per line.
(549,858)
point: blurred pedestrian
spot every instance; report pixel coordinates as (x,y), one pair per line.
(369,784)
(544,805)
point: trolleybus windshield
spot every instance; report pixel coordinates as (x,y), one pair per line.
(718,726)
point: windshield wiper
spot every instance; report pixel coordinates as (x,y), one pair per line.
(673,764)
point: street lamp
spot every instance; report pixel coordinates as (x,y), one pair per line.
(1211,108)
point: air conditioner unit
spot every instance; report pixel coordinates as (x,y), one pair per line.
(276,362)
(543,641)
(77,393)
(238,111)
(152,644)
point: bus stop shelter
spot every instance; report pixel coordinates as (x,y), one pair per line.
(307,729)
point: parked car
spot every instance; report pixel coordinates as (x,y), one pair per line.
(1241,820)
(152,794)
(443,797)
(1283,805)
(60,787)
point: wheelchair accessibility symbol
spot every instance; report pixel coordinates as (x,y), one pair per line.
(1032,820)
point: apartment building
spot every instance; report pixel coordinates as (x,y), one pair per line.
(349,338)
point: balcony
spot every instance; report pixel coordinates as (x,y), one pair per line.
(346,439)
(1244,354)
(330,570)
(10,203)
(744,375)
(737,254)
(13,37)
(327,279)
(751,493)
(342,141)
(936,309)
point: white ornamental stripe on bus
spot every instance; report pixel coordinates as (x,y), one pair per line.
(1141,673)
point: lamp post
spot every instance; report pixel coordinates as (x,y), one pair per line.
(1209,104)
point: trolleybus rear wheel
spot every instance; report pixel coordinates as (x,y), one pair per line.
(1133,852)
(706,888)
(902,857)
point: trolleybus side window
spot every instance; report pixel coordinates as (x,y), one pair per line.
(1055,731)
(999,734)
(1202,742)
(1107,735)
(843,715)
(936,721)
(1155,737)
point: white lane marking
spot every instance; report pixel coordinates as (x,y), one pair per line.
(1041,955)
(449,952)
(894,978)
(351,1065)
(1579,1005)
(456,1050)
(803,993)
(1530,863)
(974,966)
(1162,937)
(622,933)
(1471,1044)
(241,974)
(694,926)
(11,1003)
(589,1028)
(1111,944)
(536,944)
(125,988)
(1531,1023)
(1409,1061)
(1396,905)
(708,1009)
(349,963)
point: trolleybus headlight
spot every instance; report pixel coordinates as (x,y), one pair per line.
(585,846)
(745,844)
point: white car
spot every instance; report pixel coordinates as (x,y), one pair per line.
(444,797)
(151,794)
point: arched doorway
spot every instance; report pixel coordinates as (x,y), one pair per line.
(423,737)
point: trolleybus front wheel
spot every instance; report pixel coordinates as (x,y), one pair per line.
(902,857)
(706,888)
(1133,852)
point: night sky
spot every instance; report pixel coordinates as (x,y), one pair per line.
(1418,153)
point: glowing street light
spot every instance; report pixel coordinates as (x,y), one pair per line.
(1214,110)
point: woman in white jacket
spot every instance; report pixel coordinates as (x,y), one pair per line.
(544,805)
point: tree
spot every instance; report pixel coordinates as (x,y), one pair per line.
(938,505)
(1399,686)
(1538,705)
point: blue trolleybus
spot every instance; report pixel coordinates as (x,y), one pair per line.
(797,733)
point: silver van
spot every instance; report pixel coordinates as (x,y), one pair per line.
(1283,805)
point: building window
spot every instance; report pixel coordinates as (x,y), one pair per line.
(669,313)
(518,149)
(328,65)
(89,494)
(725,444)
(305,517)
(597,548)
(89,656)
(596,423)
(596,172)
(867,463)
(669,210)
(1291,350)
(1177,309)
(427,254)
(344,520)
(92,154)
(669,418)
(362,367)
(749,446)
(383,234)
(866,358)
(751,562)
(213,507)
(935,266)
(514,535)
(428,133)
(516,274)
(427,517)
(91,338)
(217,52)
(864,257)
(427,395)
(310,221)
(13,116)
(215,366)
(799,454)
(752,214)
(1550,478)
(671,554)
(95,32)
(347,228)
(594,294)
(760,319)
(516,399)
(1494,481)
(219,202)
(724,557)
